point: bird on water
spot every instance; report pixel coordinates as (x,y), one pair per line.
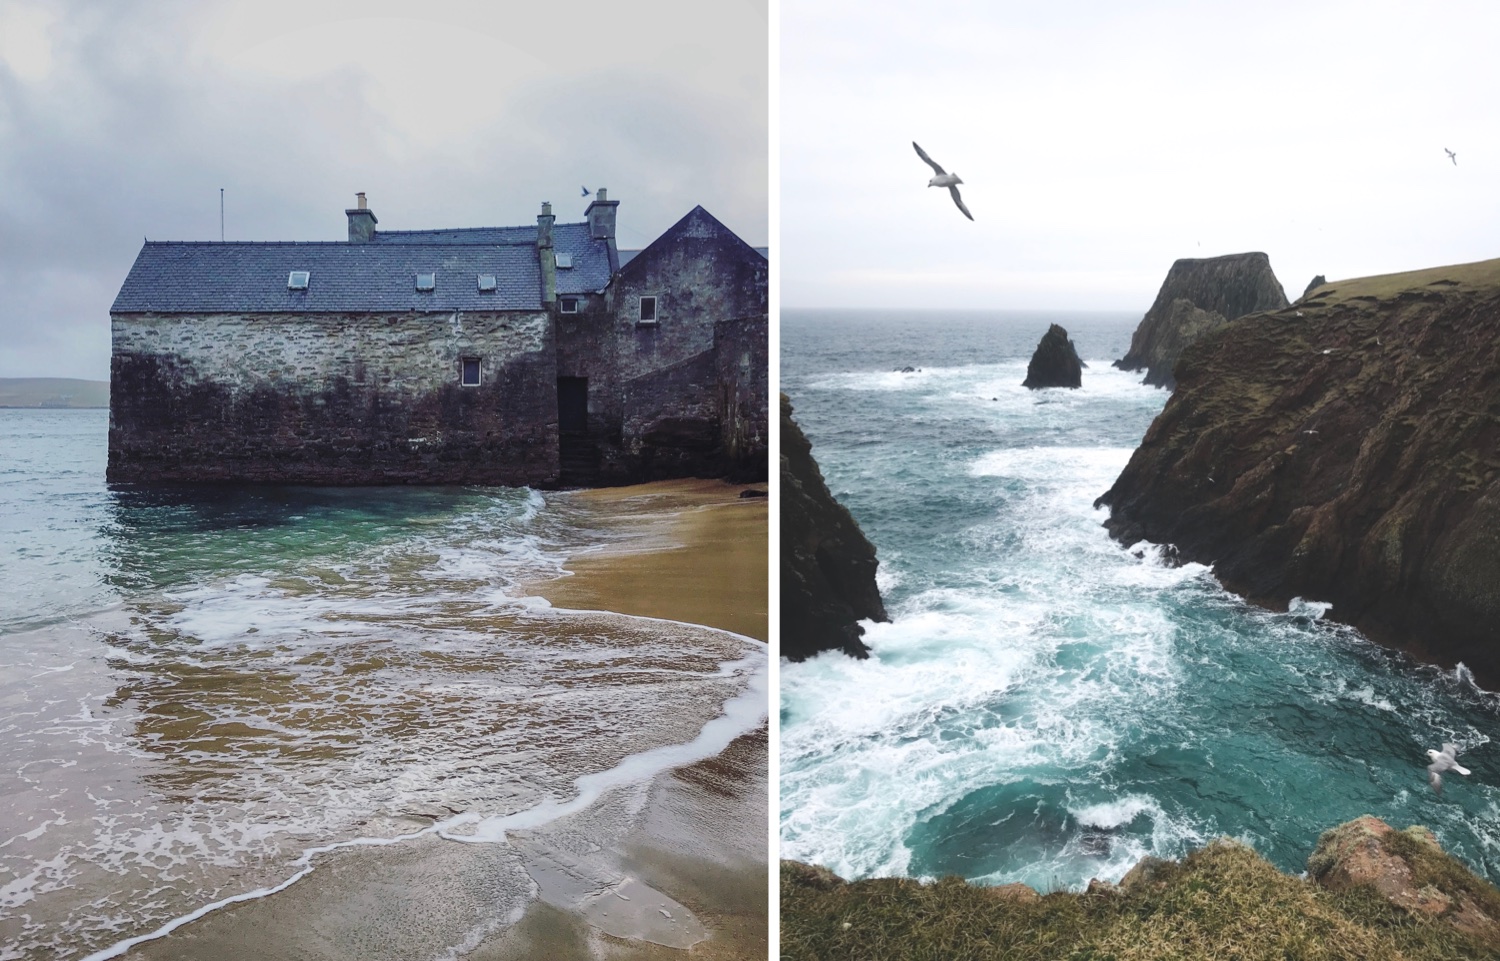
(1443,761)
(943,179)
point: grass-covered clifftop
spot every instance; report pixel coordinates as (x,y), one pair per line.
(1344,449)
(1372,893)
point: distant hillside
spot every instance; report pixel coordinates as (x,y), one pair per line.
(53,392)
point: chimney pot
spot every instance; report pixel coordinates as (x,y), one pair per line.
(362,205)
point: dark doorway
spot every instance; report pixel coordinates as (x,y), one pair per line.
(573,404)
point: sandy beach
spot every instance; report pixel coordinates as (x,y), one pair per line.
(670,867)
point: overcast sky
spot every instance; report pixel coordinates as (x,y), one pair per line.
(122,120)
(1099,142)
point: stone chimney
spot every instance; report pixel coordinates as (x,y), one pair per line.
(545,255)
(601,217)
(361,221)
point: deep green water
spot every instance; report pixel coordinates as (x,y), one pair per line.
(1048,706)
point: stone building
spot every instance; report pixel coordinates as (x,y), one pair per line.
(493,355)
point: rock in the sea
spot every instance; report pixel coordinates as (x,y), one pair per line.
(1314,284)
(1410,870)
(1350,455)
(827,564)
(1055,362)
(1199,297)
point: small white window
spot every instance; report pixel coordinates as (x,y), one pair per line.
(426,281)
(648,310)
(564,261)
(568,305)
(470,375)
(487,283)
(297,280)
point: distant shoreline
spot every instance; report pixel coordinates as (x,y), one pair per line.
(53,393)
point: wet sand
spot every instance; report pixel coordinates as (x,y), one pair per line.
(692,843)
(698,554)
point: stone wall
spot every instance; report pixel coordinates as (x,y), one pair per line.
(333,399)
(671,392)
(741,356)
(586,348)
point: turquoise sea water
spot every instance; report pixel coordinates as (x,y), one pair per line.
(1048,706)
(201,686)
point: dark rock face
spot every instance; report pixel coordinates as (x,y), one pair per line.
(827,565)
(1314,284)
(1349,455)
(1197,298)
(1055,362)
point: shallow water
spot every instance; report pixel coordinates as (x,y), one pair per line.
(1047,706)
(200,689)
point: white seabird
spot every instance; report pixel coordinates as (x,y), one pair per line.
(1443,761)
(1451,156)
(943,179)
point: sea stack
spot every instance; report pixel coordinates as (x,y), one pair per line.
(1199,297)
(1346,451)
(827,564)
(1055,362)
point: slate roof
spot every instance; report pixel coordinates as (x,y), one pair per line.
(242,277)
(589,273)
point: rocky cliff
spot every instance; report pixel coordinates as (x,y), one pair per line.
(1371,893)
(827,564)
(1055,362)
(1198,297)
(1346,450)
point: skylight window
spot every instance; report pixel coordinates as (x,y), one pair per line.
(427,281)
(487,283)
(297,280)
(564,260)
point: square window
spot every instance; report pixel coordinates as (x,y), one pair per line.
(470,376)
(568,305)
(426,281)
(297,280)
(648,310)
(487,283)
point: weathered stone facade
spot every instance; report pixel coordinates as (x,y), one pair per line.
(393,362)
(333,399)
(680,415)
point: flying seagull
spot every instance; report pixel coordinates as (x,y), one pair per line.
(585,190)
(1442,761)
(943,179)
(1451,156)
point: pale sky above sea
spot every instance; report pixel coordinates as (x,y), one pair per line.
(122,120)
(1099,142)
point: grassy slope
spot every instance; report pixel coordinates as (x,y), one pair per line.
(53,392)
(1221,902)
(1481,274)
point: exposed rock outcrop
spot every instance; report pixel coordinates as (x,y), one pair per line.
(1055,363)
(1349,455)
(1410,870)
(1314,284)
(1199,297)
(827,564)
